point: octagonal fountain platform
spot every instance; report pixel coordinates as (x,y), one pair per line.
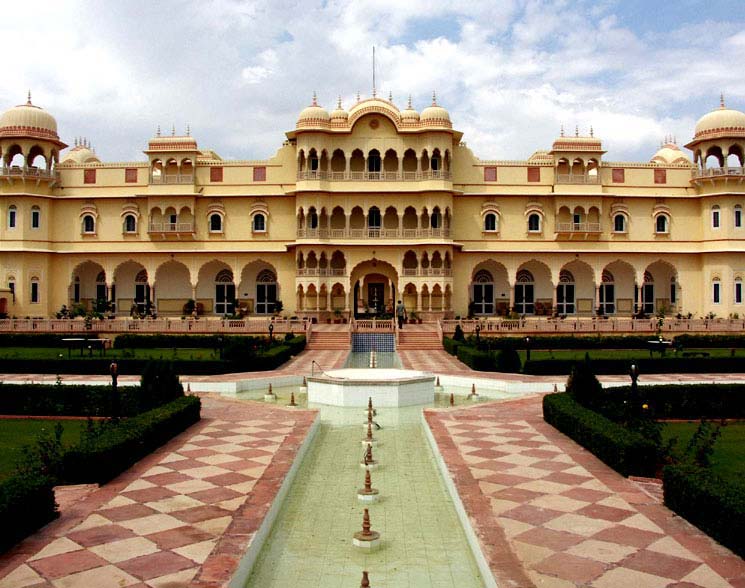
(387,387)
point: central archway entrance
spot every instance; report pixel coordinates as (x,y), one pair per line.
(374,287)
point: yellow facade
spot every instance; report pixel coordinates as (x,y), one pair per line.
(363,206)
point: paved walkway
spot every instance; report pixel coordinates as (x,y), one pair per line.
(570,520)
(182,516)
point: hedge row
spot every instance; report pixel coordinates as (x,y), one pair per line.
(118,446)
(51,400)
(705,500)
(131,341)
(262,360)
(627,452)
(26,504)
(563,342)
(657,365)
(482,361)
(451,345)
(710,341)
(40,340)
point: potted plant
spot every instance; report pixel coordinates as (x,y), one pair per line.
(337,316)
(413,317)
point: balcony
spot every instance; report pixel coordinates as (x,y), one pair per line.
(29,173)
(578,179)
(185,229)
(321,271)
(427,271)
(726,173)
(578,229)
(171,179)
(373,233)
(364,176)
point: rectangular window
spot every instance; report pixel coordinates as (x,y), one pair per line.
(89,176)
(660,176)
(34,292)
(715,219)
(619,175)
(490,174)
(215,174)
(12,217)
(673,293)
(260,174)
(35,219)
(716,294)
(738,292)
(534,174)
(130,175)
(738,218)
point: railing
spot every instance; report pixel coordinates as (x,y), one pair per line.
(427,271)
(373,233)
(170,228)
(382,176)
(321,271)
(718,171)
(372,326)
(171,178)
(160,325)
(577,179)
(578,227)
(593,325)
(16,171)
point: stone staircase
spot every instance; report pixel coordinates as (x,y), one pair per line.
(418,339)
(329,340)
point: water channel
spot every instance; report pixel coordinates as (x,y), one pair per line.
(423,542)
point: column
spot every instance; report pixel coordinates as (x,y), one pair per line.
(597,298)
(512,297)
(553,299)
(328,300)
(419,298)
(639,298)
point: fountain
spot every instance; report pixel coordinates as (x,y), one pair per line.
(366,539)
(270,396)
(368,462)
(368,493)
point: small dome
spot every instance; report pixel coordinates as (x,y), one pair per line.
(408,114)
(435,115)
(313,115)
(670,153)
(720,122)
(27,120)
(81,153)
(339,114)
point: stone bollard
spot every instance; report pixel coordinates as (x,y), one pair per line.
(369,439)
(368,493)
(292,399)
(365,580)
(366,539)
(368,462)
(270,396)
(452,399)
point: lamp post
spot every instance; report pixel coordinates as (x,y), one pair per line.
(220,346)
(527,348)
(478,333)
(634,373)
(114,371)
(271,332)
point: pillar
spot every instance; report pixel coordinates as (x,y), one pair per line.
(419,298)
(597,297)
(512,297)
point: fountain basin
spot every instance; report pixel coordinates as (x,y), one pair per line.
(387,387)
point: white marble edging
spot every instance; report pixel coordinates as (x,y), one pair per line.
(246,564)
(473,541)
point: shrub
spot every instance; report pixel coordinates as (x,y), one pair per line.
(450,345)
(712,504)
(658,365)
(710,341)
(108,449)
(508,360)
(159,384)
(582,383)
(26,504)
(627,452)
(458,334)
(40,340)
(477,360)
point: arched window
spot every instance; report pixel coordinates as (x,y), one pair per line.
(35,291)
(373,161)
(607,294)
(524,292)
(215,223)
(259,223)
(534,223)
(312,219)
(715,214)
(619,223)
(130,223)
(373,218)
(35,217)
(716,291)
(435,220)
(738,290)
(12,216)
(565,293)
(224,292)
(266,291)
(738,216)
(89,224)
(483,292)
(662,223)
(490,222)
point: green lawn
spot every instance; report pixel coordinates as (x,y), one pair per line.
(627,354)
(15,433)
(729,452)
(62,353)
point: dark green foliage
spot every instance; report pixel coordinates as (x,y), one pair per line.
(627,452)
(482,361)
(458,334)
(508,360)
(108,449)
(710,341)
(184,341)
(450,345)
(40,340)
(712,504)
(700,447)
(582,383)
(657,365)
(564,341)
(26,503)
(159,384)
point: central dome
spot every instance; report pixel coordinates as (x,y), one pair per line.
(27,120)
(721,121)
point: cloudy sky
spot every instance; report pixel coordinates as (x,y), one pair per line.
(510,72)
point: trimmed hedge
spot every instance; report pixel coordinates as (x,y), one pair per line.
(118,446)
(482,361)
(26,504)
(487,341)
(451,345)
(661,365)
(52,400)
(710,341)
(627,452)
(40,340)
(131,341)
(705,500)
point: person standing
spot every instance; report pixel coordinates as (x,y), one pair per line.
(400,314)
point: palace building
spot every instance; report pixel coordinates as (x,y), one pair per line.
(366,205)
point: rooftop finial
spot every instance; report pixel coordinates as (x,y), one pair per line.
(576,130)
(390,96)
(188,130)
(592,131)
(675,140)
(173,130)
(721,100)
(157,131)
(28,100)
(358,95)
(338,103)
(562,130)
(409,105)
(76,141)
(315,100)
(434,98)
